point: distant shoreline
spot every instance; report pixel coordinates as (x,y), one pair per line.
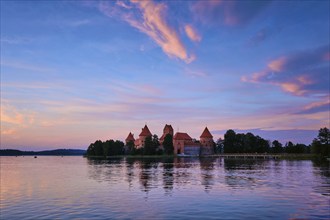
(56,152)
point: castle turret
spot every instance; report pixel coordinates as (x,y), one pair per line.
(207,143)
(167,130)
(142,136)
(130,138)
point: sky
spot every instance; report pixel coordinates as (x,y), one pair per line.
(73,72)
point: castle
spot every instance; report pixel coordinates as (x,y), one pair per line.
(182,142)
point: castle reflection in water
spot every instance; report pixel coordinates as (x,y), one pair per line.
(167,173)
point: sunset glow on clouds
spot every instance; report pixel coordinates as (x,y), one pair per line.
(75,72)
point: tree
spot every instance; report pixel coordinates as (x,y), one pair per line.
(155,141)
(219,146)
(289,147)
(229,143)
(107,148)
(118,148)
(168,144)
(321,145)
(324,136)
(98,148)
(148,148)
(130,148)
(277,147)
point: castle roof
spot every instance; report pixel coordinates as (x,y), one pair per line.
(145,131)
(130,137)
(162,137)
(168,126)
(206,133)
(182,136)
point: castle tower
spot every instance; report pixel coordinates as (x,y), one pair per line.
(167,130)
(207,143)
(130,138)
(142,136)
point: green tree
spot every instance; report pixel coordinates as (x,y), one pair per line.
(107,147)
(90,150)
(168,144)
(277,147)
(148,148)
(324,136)
(155,141)
(98,148)
(321,145)
(130,148)
(289,147)
(229,142)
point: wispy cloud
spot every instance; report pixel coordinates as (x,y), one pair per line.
(78,23)
(123,4)
(150,18)
(9,131)
(11,115)
(25,66)
(304,73)
(195,73)
(192,33)
(315,107)
(228,12)
(15,40)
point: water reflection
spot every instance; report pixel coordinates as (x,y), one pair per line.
(322,173)
(139,188)
(168,177)
(181,173)
(148,174)
(245,173)
(207,175)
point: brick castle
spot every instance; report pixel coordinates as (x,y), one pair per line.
(182,142)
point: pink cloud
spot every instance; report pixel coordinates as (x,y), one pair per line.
(123,4)
(10,115)
(314,107)
(301,73)
(192,33)
(150,18)
(277,65)
(10,131)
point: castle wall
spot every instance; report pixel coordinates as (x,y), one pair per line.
(178,146)
(192,150)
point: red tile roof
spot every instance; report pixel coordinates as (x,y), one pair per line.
(130,137)
(206,133)
(145,131)
(162,137)
(182,136)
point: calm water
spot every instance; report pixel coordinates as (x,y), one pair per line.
(182,188)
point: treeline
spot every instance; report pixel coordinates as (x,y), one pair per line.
(114,148)
(249,143)
(107,148)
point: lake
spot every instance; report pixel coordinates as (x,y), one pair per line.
(54,187)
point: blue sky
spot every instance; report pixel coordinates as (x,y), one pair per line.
(73,72)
